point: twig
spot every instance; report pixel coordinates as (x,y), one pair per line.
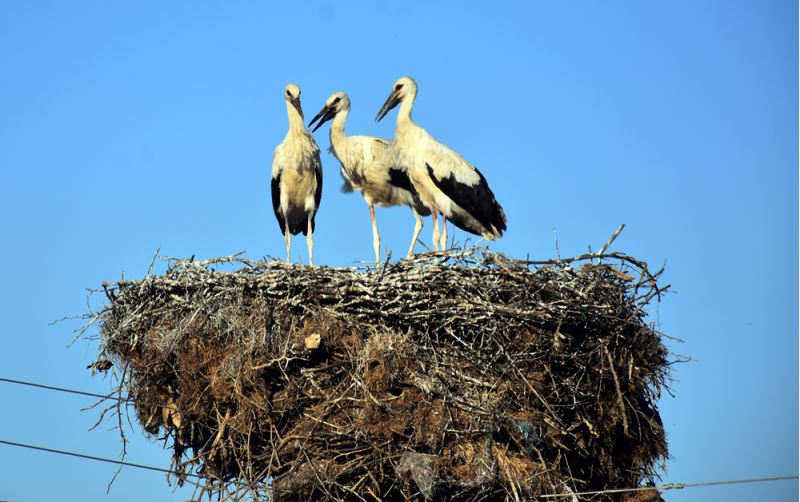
(620,400)
(555,241)
(611,240)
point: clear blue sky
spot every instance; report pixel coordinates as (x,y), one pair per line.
(125,126)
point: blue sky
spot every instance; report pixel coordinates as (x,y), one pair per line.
(128,126)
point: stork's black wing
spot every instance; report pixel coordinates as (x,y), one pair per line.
(276,202)
(317,193)
(478,200)
(399,177)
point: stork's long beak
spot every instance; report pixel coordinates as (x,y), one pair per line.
(296,103)
(325,114)
(390,103)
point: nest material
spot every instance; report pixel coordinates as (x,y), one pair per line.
(455,376)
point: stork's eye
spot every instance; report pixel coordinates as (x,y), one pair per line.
(336,100)
(398,87)
(289,94)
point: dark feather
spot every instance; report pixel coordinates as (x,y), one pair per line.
(276,202)
(421,208)
(477,200)
(346,186)
(317,198)
(400,179)
(297,221)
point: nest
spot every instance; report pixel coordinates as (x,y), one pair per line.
(453,376)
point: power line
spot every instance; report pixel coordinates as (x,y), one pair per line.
(62,389)
(92,457)
(669,486)
(112,397)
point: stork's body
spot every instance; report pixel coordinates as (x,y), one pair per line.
(370,165)
(445,181)
(296,177)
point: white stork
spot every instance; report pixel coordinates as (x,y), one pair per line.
(445,181)
(370,165)
(296,177)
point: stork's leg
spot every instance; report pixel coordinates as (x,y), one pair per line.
(443,244)
(310,241)
(376,237)
(288,237)
(417,230)
(435,217)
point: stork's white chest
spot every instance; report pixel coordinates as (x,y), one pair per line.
(298,187)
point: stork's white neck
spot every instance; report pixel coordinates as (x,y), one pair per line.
(339,121)
(337,126)
(404,114)
(295,119)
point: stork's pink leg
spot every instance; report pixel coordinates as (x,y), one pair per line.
(417,229)
(435,217)
(310,242)
(288,238)
(443,244)
(376,238)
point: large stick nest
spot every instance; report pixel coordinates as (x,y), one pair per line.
(458,376)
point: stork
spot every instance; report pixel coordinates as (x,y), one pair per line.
(296,177)
(445,181)
(370,165)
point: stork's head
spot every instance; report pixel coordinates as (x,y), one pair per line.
(337,102)
(292,94)
(405,86)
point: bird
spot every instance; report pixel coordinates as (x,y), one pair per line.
(296,177)
(370,165)
(445,181)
